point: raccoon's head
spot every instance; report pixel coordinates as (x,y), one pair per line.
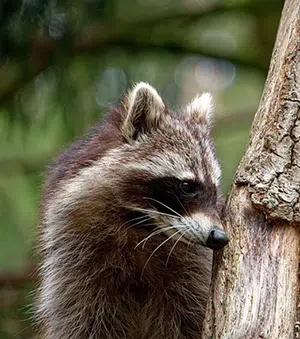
(167,171)
(144,166)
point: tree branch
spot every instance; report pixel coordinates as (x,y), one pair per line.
(17,279)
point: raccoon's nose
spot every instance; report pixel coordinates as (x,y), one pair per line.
(217,239)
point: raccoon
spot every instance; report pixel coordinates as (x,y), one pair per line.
(128,219)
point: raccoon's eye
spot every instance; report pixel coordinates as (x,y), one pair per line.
(187,187)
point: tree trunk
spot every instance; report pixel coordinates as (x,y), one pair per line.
(256,279)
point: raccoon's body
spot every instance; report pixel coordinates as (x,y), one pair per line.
(127,216)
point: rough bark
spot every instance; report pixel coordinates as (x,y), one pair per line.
(256,280)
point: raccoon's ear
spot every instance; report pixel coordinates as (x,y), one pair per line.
(201,109)
(145,109)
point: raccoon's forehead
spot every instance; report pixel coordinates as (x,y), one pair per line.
(179,151)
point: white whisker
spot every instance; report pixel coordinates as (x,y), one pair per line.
(185,211)
(140,222)
(157,248)
(158,230)
(187,248)
(176,242)
(134,219)
(155,212)
(164,206)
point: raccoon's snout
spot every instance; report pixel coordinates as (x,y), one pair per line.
(217,239)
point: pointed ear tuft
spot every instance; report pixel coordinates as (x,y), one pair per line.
(145,110)
(201,109)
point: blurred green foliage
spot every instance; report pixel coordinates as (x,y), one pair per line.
(64,62)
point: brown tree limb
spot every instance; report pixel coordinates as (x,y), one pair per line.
(17,279)
(14,74)
(255,280)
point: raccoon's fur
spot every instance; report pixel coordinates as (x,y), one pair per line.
(127,215)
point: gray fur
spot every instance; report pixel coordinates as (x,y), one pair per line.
(103,277)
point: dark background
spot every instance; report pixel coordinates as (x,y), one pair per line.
(63,62)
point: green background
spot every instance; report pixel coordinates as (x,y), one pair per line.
(180,47)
